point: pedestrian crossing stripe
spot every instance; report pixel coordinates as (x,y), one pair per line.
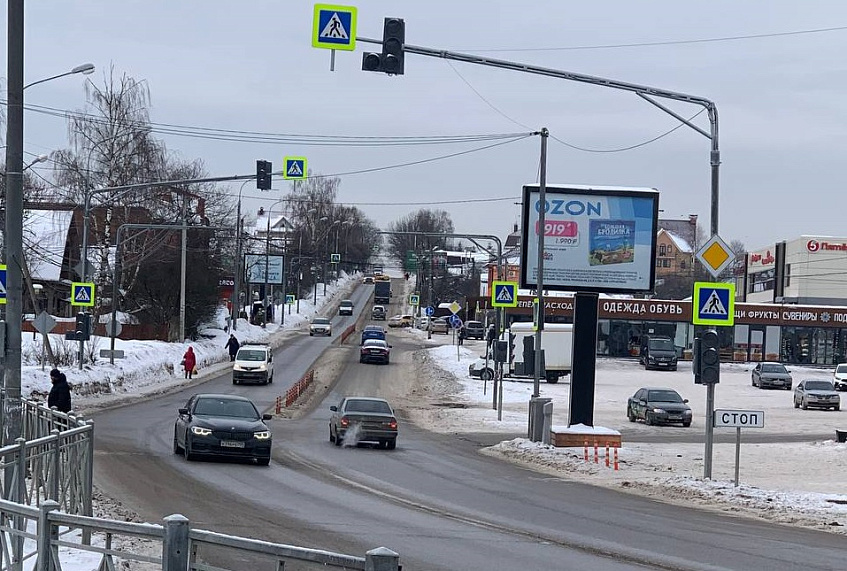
(713,304)
(295,168)
(82,293)
(504,294)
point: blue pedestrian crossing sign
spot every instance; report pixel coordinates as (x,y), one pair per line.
(82,293)
(334,27)
(455,321)
(3,284)
(713,304)
(430,311)
(289,299)
(295,168)
(504,294)
(414,299)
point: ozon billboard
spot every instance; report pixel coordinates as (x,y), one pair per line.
(600,239)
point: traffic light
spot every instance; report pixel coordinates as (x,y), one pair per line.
(82,330)
(707,358)
(391,60)
(500,351)
(263,175)
(511,347)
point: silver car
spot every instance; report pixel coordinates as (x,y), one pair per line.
(819,393)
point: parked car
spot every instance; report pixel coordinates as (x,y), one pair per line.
(839,377)
(320,326)
(768,374)
(367,419)
(372,332)
(224,426)
(474,330)
(378,313)
(658,406)
(375,351)
(657,352)
(818,393)
(254,363)
(345,307)
(368,280)
(395,321)
(440,325)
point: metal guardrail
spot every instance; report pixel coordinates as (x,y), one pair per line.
(47,489)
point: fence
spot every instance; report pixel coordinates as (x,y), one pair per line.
(293,393)
(50,469)
(347,333)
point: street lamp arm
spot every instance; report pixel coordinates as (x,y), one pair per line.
(85,69)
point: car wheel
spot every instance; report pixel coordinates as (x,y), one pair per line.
(796,404)
(486,374)
(177,447)
(838,407)
(311,334)
(788,388)
(331,437)
(361,360)
(648,420)
(804,405)
(686,424)
(753,381)
(189,455)
(392,444)
(630,415)
(263,461)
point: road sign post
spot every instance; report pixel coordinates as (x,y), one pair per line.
(739,419)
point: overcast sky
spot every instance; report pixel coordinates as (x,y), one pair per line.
(250,67)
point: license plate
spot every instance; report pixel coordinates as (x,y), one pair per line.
(231,444)
(663,364)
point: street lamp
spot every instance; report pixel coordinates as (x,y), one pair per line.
(85,69)
(267,256)
(236,300)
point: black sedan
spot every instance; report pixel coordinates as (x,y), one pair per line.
(223,426)
(363,419)
(375,351)
(658,406)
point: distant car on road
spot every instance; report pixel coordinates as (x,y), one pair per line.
(363,419)
(369,280)
(839,377)
(254,363)
(474,330)
(320,326)
(816,393)
(768,374)
(224,426)
(440,325)
(375,351)
(658,406)
(378,313)
(372,332)
(345,307)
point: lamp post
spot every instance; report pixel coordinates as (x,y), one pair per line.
(326,250)
(267,256)
(236,300)
(14,220)
(85,69)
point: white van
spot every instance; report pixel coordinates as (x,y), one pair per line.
(254,363)
(556,341)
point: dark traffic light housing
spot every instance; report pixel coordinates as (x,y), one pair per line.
(82,328)
(391,59)
(707,358)
(263,175)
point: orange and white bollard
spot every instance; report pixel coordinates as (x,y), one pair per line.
(596,453)
(586,450)
(607,455)
(616,457)
(278,404)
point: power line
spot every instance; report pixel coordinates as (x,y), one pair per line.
(666,42)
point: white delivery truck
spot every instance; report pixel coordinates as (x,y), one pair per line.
(556,340)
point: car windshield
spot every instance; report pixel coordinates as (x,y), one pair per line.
(376,343)
(347,302)
(773,368)
(841,369)
(362,405)
(818,386)
(474,325)
(663,396)
(251,355)
(320,321)
(226,407)
(661,344)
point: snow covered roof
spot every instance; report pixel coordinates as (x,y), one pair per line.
(681,244)
(45,235)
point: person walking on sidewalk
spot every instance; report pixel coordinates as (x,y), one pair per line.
(60,392)
(232,346)
(189,362)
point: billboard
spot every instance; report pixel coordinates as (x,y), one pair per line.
(596,239)
(254,266)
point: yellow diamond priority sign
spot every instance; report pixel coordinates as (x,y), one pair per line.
(715,255)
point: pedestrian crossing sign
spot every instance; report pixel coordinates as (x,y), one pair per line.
(504,294)
(82,293)
(290,299)
(3,284)
(713,304)
(334,27)
(296,168)
(414,299)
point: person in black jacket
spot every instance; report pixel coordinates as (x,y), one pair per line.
(60,392)
(232,346)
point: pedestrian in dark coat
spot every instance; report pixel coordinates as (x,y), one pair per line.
(232,346)
(189,361)
(60,392)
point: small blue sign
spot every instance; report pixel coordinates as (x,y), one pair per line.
(3,284)
(713,303)
(429,310)
(455,321)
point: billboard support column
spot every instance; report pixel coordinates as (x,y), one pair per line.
(583,369)
(542,207)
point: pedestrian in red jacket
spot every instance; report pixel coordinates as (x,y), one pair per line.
(189,361)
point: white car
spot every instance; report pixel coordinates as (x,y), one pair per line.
(839,377)
(254,363)
(320,326)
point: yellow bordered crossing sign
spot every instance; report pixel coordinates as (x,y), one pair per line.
(713,304)
(504,294)
(414,299)
(3,284)
(82,293)
(295,168)
(334,27)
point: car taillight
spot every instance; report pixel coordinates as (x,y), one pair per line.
(392,424)
(344,421)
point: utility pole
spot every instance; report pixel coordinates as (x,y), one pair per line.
(542,211)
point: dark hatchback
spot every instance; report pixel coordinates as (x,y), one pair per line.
(223,426)
(658,406)
(474,330)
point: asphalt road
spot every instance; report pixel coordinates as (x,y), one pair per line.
(434,499)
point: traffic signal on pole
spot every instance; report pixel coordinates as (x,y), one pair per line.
(263,175)
(707,358)
(82,330)
(391,60)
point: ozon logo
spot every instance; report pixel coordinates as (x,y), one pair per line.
(813,245)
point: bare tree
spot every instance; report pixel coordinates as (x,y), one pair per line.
(422,221)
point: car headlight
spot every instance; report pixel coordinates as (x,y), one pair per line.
(200,431)
(686,413)
(262,435)
(659,411)
(236,367)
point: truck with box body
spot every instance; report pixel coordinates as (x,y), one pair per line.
(382,292)
(556,342)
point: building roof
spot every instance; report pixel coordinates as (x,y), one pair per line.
(681,244)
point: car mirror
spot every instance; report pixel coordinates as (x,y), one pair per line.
(267,417)
(183,411)
(390,346)
(333,408)
(685,401)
